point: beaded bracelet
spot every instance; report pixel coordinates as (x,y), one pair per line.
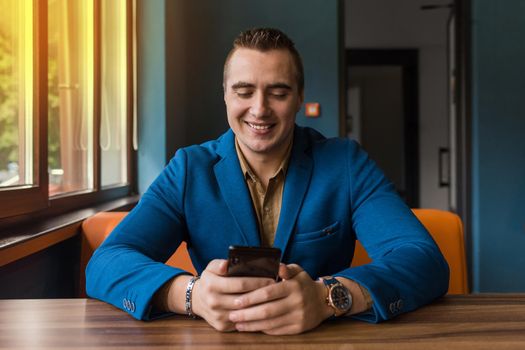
(189,290)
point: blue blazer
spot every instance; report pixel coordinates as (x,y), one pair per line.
(333,194)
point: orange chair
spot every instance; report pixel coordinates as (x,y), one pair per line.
(445,228)
(96,228)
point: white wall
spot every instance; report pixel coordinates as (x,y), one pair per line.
(402,24)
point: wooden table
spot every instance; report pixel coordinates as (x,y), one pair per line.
(495,321)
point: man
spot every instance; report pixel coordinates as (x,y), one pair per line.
(267,181)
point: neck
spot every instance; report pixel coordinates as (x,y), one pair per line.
(266,165)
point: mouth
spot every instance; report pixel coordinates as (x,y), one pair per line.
(260,127)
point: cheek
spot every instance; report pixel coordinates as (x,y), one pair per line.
(290,113)
(231,111)
(235,115)
(235,109)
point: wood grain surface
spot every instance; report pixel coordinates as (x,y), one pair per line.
(487,321)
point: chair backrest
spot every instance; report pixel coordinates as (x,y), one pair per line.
(96,228)
(445,228)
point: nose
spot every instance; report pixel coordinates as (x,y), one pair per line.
(259,107)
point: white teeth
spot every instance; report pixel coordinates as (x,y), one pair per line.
(259,127)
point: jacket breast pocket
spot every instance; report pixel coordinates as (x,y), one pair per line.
(324,233)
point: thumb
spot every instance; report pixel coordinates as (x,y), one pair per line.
(287,272)
(218,267)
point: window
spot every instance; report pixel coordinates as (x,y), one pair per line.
(70,71)
(114,104)
(16,86)
(65,102)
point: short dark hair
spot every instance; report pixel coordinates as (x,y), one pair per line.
(266,39)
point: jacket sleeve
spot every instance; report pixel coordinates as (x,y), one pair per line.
(407,268)
(128,267)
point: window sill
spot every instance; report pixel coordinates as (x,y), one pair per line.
(23,240)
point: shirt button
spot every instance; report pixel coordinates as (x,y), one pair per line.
(266,209)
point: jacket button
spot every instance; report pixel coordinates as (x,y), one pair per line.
(392,308)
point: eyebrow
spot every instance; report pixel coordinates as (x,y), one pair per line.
(242,84)
(280,86)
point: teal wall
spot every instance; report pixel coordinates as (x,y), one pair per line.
(182,49)
(182,46)
(151,99)
(498,145)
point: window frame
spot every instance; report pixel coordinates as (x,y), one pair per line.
(19,204)
(28,198)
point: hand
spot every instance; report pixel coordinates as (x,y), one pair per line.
(295,305)
(214,294)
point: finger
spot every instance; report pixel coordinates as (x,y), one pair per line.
(237,285)
(262,325)
(218,267)
(222,302)
(287,272)
(233,301)
(222,325)
(262,295)
(281,319)
(261,312)
(283,270)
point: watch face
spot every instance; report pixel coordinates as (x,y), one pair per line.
(340,298)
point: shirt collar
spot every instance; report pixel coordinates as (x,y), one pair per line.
(247,170)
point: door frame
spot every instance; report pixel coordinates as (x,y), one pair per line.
(407,59)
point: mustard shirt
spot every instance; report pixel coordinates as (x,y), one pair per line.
(267,203)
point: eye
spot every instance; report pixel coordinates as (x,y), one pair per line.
(243,94)
(279,94)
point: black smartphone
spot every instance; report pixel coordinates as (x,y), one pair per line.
(246,261)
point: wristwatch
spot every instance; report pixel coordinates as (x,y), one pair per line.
(339,298)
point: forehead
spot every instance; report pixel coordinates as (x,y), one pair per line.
(255,66)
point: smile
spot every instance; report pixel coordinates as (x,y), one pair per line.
(260,127)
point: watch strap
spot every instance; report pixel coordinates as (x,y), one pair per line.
(330,281)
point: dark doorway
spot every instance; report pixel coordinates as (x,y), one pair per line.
(382,112)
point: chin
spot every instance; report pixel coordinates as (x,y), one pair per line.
(261,149)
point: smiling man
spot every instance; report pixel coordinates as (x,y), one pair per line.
(262,97)
(269,182)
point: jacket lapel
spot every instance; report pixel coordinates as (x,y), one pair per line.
(229,176)
(295,187)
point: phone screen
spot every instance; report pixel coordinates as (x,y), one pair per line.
(254,261)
